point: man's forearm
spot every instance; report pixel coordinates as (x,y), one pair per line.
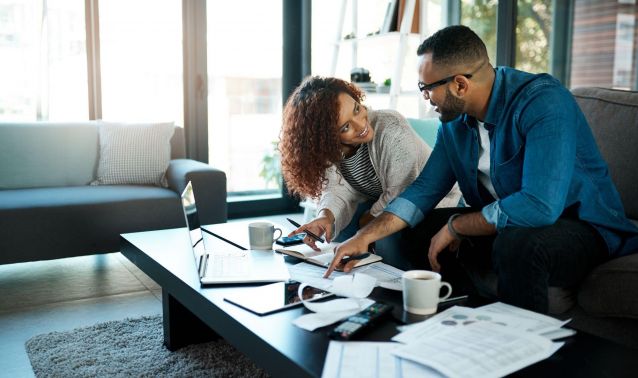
(473,224)
(382,226)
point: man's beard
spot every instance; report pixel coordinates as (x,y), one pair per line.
(451,108)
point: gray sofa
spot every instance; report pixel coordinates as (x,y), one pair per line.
(607,301)
(48,210)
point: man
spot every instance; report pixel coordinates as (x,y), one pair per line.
(543,210)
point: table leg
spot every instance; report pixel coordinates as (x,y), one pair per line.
(182,327)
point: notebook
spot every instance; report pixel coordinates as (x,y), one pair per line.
(322,257)
(228,266)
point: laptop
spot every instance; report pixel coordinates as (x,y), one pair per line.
(228,266)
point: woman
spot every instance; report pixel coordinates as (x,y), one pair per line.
(353,159)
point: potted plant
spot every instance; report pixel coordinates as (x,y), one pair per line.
(385,86)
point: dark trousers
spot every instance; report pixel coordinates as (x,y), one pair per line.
(526,260)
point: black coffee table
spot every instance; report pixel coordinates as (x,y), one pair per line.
(195,314)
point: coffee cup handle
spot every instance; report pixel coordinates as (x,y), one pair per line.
(449,291)
(281,233)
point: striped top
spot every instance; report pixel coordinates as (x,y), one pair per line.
(359,173)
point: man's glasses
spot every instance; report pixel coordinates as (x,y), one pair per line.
(427,88)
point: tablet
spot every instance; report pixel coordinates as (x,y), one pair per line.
(267,299)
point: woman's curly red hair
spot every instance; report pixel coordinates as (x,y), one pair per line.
(309,141)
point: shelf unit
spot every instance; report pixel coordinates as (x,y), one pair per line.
(389,65)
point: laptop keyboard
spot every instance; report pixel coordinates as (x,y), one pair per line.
(228,265)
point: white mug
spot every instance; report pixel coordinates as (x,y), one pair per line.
(421,291)
(261,235)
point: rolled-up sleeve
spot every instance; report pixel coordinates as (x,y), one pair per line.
(494,215)
(405,210)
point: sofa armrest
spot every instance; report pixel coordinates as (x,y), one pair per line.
(209,185)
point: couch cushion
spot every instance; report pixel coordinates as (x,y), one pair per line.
(41,154)
(134,153)
(178,145)
(610,290)
(559,299)
(48,223)
(67,197)
(427,129)
(613,118)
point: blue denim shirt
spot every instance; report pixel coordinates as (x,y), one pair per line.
(544,163)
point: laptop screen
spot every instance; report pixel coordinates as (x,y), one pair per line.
(192,222)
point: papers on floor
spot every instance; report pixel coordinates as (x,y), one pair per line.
(355,288)
(489,341)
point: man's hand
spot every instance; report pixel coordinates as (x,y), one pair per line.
(319,226)
(382,226)
(470,224)
(439,242)
(356,245)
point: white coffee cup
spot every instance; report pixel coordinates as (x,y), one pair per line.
(261,235)
(421,291)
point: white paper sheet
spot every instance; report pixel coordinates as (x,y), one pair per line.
(312,275)
(542,323)
(354,287)
(370,359)
(559,333)
(315,320)
(387,276)
(458,317)
(481,349)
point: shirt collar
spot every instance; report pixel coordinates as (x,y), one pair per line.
(497,99)
(495,107)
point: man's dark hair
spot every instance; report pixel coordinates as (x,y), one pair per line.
(454,45)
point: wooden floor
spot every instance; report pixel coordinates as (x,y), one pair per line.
(59,295)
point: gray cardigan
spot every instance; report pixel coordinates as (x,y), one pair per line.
(397,154)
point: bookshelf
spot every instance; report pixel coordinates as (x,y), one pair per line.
(389,54)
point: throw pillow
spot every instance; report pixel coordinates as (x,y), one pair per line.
(134,153)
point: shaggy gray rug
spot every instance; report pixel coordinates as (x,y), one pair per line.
(132,347)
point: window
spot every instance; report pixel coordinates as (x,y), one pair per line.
(43,64)
(533,29)
(480,16)
(141,60)
(244,93)
(603,46)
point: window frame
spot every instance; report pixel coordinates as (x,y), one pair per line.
(296,65)
(560,45)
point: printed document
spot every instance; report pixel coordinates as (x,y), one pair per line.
(481,349)
(458,317)
(541,323)
(387,276)
(354,359)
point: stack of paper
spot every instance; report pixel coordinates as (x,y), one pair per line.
(387,276)
(489,341)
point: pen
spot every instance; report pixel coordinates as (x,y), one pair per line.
(317,238)
(355,257)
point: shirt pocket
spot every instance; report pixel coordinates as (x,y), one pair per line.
(509,174)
